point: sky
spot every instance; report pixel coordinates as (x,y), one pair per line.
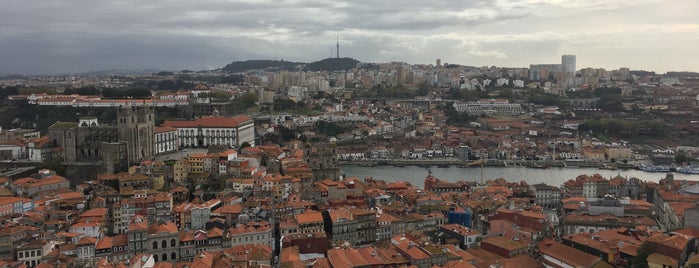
(70,36)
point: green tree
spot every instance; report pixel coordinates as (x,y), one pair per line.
(245,101)
(423,88)
(611,103)
(680,157)
(55,164)
(329,128)
(89,90)
(641,259)
(284,104)
(287,134)
(506,93)
(244,145)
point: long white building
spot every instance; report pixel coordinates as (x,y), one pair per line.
(489,106)
(215,130)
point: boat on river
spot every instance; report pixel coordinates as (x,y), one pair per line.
(651,168)
(688,170)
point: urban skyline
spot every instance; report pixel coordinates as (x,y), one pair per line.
(647,35)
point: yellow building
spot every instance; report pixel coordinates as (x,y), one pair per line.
(618,152)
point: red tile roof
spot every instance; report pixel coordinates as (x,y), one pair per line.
(211,121)
(568,255)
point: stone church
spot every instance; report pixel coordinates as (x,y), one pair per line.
(116,147)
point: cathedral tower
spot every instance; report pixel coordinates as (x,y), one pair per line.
(136,129)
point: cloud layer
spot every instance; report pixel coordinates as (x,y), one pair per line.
(64,36)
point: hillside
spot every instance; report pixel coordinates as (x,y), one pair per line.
(242,66)
(333,64)
(329,64)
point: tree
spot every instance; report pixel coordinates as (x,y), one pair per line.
(284,104)
(506,93)
(680,157)
(244,101)
(55,164)
(641,259)
(329,128)
(244,145)
(611,103)
(89,90)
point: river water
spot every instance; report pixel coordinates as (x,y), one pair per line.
(551,176)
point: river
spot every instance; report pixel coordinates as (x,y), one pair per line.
(552,176)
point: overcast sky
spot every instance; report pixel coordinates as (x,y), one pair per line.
(63,36)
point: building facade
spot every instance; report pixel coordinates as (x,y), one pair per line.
(215,130)
(166,140)
(136,127)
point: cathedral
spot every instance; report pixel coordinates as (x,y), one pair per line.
(130,141)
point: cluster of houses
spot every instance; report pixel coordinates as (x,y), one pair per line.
(281,214)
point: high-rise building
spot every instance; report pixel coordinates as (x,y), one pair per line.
(568,62)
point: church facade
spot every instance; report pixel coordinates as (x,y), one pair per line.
(130,141)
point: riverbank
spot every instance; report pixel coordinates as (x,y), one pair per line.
(447,162)
(552,176)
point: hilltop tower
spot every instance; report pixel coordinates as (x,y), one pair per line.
(337,50)
(136,129)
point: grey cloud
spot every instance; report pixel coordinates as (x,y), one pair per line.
(80,35)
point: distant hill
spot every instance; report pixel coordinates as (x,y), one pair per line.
(242,66)
(121,72)
(329,64)
(682,74)
(12,76)
(333,64)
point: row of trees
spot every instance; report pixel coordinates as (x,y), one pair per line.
(625,128)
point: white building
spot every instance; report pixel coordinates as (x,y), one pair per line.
(492,106)
(166,140)
(89,229)
(297,93)
(251,233)
(215,130)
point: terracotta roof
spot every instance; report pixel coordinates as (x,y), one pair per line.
(95,212)
(229,209)
(210,121)
(186,236)
(157,130)
(104,243)
(675,241)
(168,227)
(87,241)
(214,232)
(567,255)
(120,240)
(138,226)
(504,243)
(309,217)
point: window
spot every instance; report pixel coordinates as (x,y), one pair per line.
(172,242)
(155,245)
(163,245)
(164,256)
(173,256)
(33,253)
(21,255)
